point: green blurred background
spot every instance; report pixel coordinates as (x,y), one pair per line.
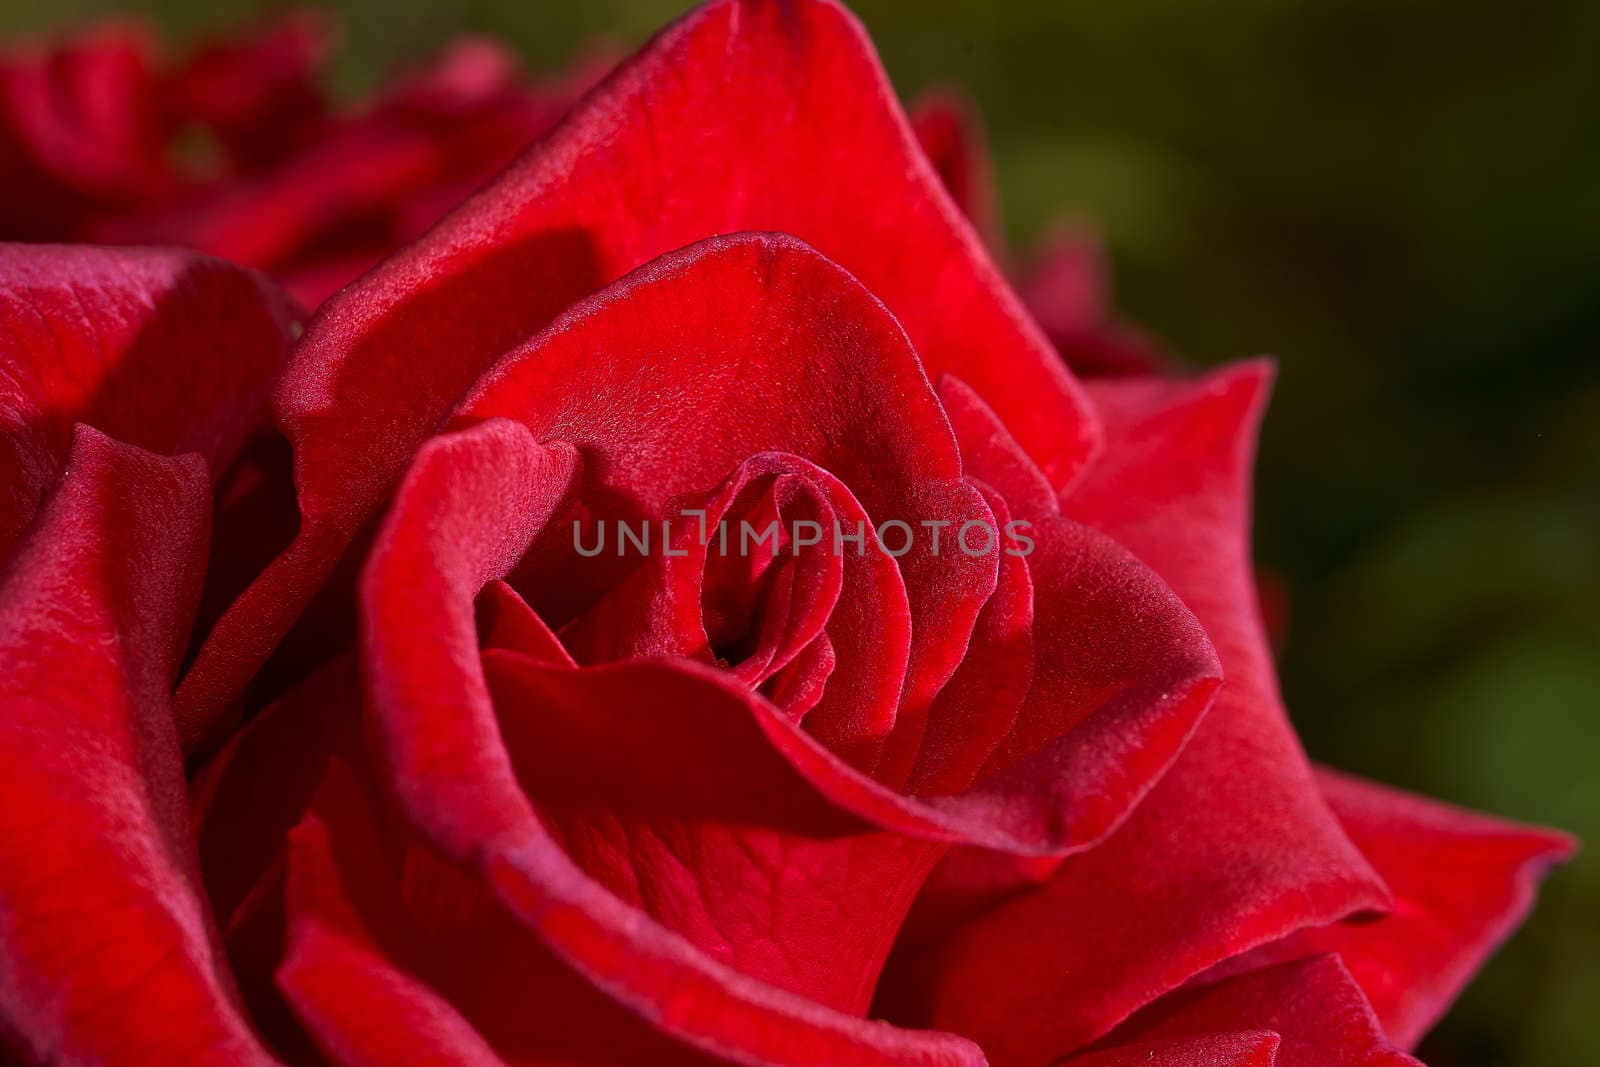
(1401,202)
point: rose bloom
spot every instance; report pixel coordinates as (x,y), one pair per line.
(232,147)
(323,744)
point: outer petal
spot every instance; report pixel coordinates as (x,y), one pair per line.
(1233,847)
(1462,883)
(1065,282)
(1111,700)
(108,948)
(1313,1005)
(349,993)
(746,115)
(170,351)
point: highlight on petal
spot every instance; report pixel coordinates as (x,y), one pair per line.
(1232,848)
(169,351)
(682,142)
(111,955)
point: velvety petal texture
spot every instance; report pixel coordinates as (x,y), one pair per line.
(1231,849)
(165,350)
(1461,881)
(1065,280)
(110,956)
(1314,1007)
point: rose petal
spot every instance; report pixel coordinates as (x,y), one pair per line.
(741,116)
(472,504)
(506,621)
(256,91)
(1313,1005)
(443,541)
(695,801)
(169,351)
(990,454)
(1462,883)
(111,956)
(1121,669)
(244,800)
(243,803)
(362,184)
(950,133)
(1258,1048)
(856,594)
(81,131)
(1233,847)
(386,922)
(346,991)
(977,710)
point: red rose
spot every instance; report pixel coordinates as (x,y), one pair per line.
(853,795)
(98,139)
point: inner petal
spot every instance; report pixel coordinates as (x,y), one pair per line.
(766,596)
(749,576)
